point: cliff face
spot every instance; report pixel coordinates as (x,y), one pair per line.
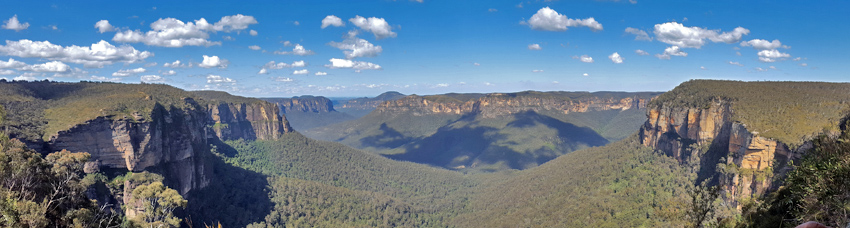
(253,121)
(303,104)
(172,143)
(499,105)
(747,159)
(371,103)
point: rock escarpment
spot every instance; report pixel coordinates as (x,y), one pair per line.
(303,104)
(746,160)
(503,104)
(371,103)
(249,121)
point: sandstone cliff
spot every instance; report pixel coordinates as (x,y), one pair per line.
(303,104)
(745,161)
(496,105)
(172,143)
(371,103)
(249,121)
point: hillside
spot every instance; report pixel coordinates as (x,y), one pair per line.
(359,107)
(491,131)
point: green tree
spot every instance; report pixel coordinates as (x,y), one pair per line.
(156,204)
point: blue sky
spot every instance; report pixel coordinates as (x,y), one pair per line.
(364,48)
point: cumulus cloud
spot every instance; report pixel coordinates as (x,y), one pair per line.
(377,26)
(8,72)
(51,67)
(763,44)
(152,79)
(299,63)
(176,64)
(128,72)
(770,56)
(639,34)
(170,32)
(641,52)
(319,73)
(671,51)
(759,69)
(284,79)
(99,78)
(302,71)
(103,26)
(357,65)
(213,61)
(354,47)
(584,58)
(26,77)
(169,73)
(550,20)
(735,63)
(14,24)
(217,79)
(254,47)
(263,71)
(97,55)
(678,35)
(332,20)
(616,58)
(585,74)
(476,64)
(535,47)
(12,63)
(298,50)
(253,32)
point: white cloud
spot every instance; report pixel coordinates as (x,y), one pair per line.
(298,50)
(8,72)
(299,63)
(355,47)
(169,73)
(585,74)
(170,32)
(639,34)
(52,67)
(702,68)
(672,51)
(759,69)
(735,63)
(799,58)
(377,26)
(804,64)
(97,55)
(253,32)
(104,26)
(357,65)
(12,63)
(99,78)
(492,10)
(213,61)
(677,34)
(319,73)
(128,72)
(641,52)
(152,79)
(254,47)
(616,58)
(302,71)
(296,23)
(26,77)
(550,20)
(14,24)
(273,65)
(476,64)
(284,79)
(263,71)
(442,85)
(584,58)
(216,79)
(770,56)
(536,71)
(760,44)
(332,20)
(286,43)
(176,64)
(535,47)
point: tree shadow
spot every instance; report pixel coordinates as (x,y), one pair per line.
(388,139)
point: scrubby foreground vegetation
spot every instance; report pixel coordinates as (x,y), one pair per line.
(295,181)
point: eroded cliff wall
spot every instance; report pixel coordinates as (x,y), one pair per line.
(746,160)
(498,105)
(259,120)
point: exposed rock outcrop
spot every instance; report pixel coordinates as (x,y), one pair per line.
(501,104)
(259,120)
(172,142)
(747,160)
(371,103)
(303,104)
